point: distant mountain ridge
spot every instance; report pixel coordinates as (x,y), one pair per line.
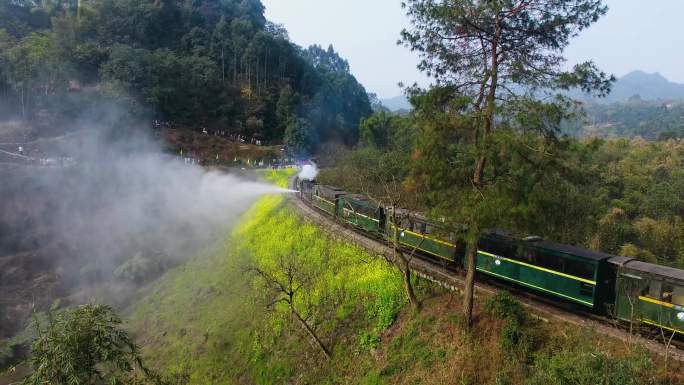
(647,86)
(396,103)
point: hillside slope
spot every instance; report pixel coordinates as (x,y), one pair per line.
(216,64)
(209,319)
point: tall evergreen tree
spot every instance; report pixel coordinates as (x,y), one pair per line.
(501,57)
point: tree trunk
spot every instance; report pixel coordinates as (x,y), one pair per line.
(235,65)
(469,289)
(478,174)
(408,286)
(403,264)
(316,341)
(223,64)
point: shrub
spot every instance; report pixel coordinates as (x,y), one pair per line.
(582,366)
(516,338)
(85,345)
(368,341)
(504,305)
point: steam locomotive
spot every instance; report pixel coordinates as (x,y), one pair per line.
(604,284)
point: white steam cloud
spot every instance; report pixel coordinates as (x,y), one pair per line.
(308,172)
(120,212)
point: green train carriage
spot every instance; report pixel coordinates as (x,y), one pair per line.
(362,213)
(415,233)
(649,294)
(306,188)
(566,272)
(325,198)
(621,287)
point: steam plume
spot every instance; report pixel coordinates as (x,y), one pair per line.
(121,211)
(308,172)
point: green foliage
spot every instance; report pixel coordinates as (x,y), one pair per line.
(341,102)
(195,63)
(224,332)
(279,178)
(517,336)
(592,366)
(338,275)
(641,207)
(504,305)
(84,345)
(652,120)
(380,164)
(516,339)
(368,341)
(373,377)
(386,306)
(387,132)
(449,35)
(300,137)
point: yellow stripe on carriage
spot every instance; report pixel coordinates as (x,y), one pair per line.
(323,199)
(359,214)
(537,267)
(536,287)
(655,301)
(425,236)
(427,251)
(662,326)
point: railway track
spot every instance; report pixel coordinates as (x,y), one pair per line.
(440,274)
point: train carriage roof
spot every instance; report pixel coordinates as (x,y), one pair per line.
(329,191)
(663,271)
(361,200)
(551,246)
(573,250)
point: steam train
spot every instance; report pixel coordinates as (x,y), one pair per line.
(604,284)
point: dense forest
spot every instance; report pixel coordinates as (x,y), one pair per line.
(621,196)
(651,120)
(196,63)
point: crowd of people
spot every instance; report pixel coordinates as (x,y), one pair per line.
(237,138)
(233,137)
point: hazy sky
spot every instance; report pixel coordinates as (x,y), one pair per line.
(635,34)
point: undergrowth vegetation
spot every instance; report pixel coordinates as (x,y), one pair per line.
(211,318)
(221,318)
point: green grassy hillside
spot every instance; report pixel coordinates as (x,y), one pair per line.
(209,317)
(219,320)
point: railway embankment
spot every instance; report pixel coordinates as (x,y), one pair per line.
(224,317)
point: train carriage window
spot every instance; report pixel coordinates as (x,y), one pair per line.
(678,295)
(429,229)
(579,269)
(416,227)
(519,252)
(653,290)
(668,289)
(546,260)
(495,247)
